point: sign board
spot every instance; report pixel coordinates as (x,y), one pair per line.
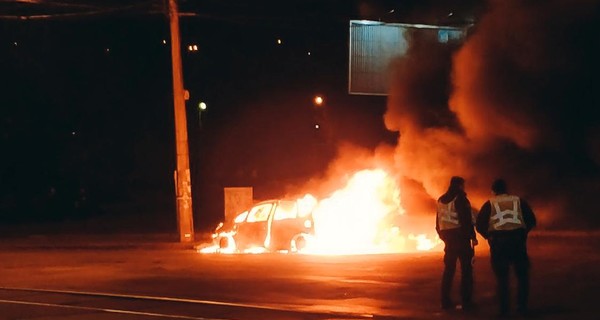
(374,45)
(237,200)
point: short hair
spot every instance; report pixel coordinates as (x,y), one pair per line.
(457,181)
(499,186)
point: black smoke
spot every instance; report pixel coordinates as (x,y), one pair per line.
(519,99)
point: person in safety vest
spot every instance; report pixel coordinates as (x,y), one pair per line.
(505,220)
(454,225)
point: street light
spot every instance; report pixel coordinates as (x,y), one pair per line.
(201,108)
(318,100)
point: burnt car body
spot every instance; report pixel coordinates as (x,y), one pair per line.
(274,225)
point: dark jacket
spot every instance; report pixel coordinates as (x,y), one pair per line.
(463,209)
(483,220)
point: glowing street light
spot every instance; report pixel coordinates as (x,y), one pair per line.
(318,100)
(201,108)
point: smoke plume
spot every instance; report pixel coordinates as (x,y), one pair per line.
(519,99)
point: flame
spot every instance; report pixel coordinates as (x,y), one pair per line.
(362,218)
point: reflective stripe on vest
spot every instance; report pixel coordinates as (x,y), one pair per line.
(447,215)
(506,213)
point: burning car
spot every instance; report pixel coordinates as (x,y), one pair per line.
(364,216)
(274,225)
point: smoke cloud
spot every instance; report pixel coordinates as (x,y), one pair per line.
(519,99)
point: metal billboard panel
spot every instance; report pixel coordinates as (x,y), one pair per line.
(374,45)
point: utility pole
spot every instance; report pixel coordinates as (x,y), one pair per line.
(183,182)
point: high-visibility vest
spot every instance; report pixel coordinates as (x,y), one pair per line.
(447,215)
(506,213)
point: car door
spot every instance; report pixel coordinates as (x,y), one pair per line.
(284,225)
(253,232)
(288,223)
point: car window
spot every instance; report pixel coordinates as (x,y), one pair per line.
(260,213)
(286,210)
(241,217)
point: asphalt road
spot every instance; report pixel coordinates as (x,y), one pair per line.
(171,282)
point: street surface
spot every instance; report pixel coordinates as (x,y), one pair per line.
(107,280)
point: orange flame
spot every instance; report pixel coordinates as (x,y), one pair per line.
(362,218)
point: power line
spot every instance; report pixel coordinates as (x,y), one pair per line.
(92,10)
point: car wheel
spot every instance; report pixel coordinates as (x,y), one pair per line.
(297,243)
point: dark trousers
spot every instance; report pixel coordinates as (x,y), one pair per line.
(457,249)
(507,251)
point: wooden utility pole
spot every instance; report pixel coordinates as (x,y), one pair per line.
(183,182)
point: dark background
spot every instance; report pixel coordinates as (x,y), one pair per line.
(86,108)
(86,104)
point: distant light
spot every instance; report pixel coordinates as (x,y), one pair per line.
(392,11)
(107,49)
(164,41)
(317,126)
(73,133)
(15,43)
(318,100)
(202,106)
(190,48)
(308,53)
(279,41)
(195,48)
(450,14)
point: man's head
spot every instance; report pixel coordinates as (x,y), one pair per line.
(457,183)
(499,186)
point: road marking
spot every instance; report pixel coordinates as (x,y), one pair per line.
(283,308)
(120,311)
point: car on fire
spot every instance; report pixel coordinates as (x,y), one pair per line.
(273,225)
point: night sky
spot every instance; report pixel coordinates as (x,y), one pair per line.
(87,117)
(86,111)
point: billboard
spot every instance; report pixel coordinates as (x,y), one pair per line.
(374,45)
(237,200)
